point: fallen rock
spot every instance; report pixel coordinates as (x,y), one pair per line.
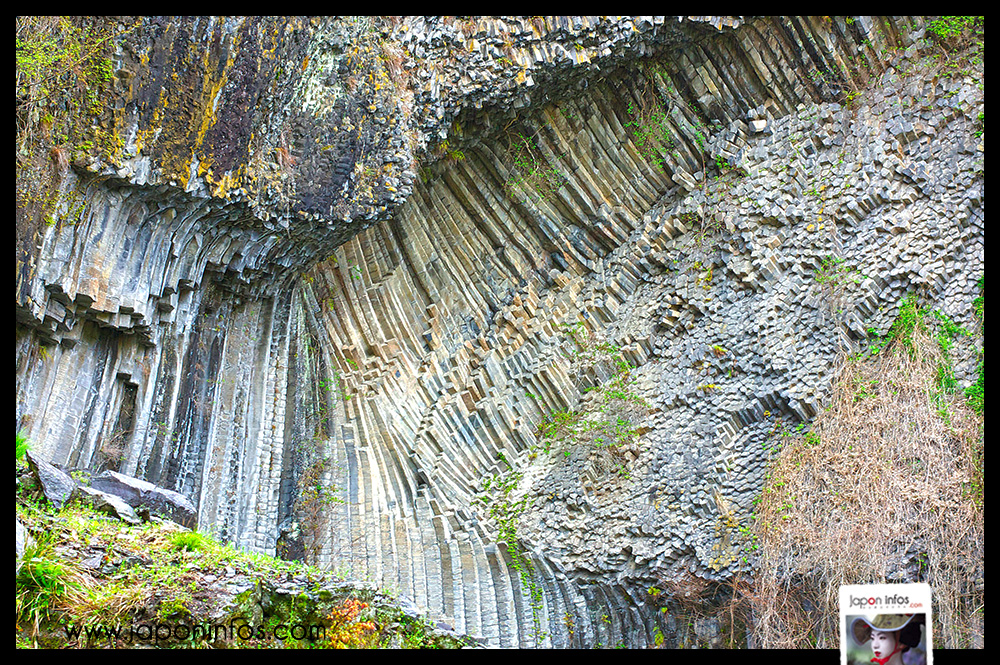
(148,498)
(57,485)
(102,502)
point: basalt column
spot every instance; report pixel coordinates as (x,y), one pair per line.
(442,238)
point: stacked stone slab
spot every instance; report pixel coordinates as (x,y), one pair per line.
(409,358)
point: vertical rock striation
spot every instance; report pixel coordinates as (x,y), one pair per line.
(326,287)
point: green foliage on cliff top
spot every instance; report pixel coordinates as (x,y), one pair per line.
(63,74)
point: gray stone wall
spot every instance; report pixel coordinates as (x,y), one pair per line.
(387,317)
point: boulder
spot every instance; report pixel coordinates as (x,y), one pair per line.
(108,504)
(146,497)
(57,485)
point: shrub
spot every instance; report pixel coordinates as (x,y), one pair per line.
(884,488)
(347,630)
(650,131)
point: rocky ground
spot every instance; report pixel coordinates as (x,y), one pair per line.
(327,278)
(89,578)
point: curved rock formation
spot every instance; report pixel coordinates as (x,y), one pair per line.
(336,274)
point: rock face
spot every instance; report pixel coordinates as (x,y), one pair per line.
(338,272)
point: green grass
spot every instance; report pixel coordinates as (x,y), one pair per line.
(190,541)
(42,582)
(22,445)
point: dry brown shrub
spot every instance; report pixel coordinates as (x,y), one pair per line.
(60,158)
(887,487)
(688,591)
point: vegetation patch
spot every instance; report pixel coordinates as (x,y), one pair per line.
(649,128)
(315,497)
(64,76)
(886,487)
(87,580)
(611,414)
(531,172)
(956,31)
(976,393)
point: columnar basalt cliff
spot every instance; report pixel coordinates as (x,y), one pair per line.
(328,277)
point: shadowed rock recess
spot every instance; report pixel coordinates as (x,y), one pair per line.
(335,273)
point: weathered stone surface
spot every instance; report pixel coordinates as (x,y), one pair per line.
(371,294)
(57,485)
(146,497)
(105,503)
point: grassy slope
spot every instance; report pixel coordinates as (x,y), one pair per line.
(156,582)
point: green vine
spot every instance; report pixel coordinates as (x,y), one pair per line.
(497,498)
(531,171)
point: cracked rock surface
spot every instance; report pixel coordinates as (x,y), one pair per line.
(363,279)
